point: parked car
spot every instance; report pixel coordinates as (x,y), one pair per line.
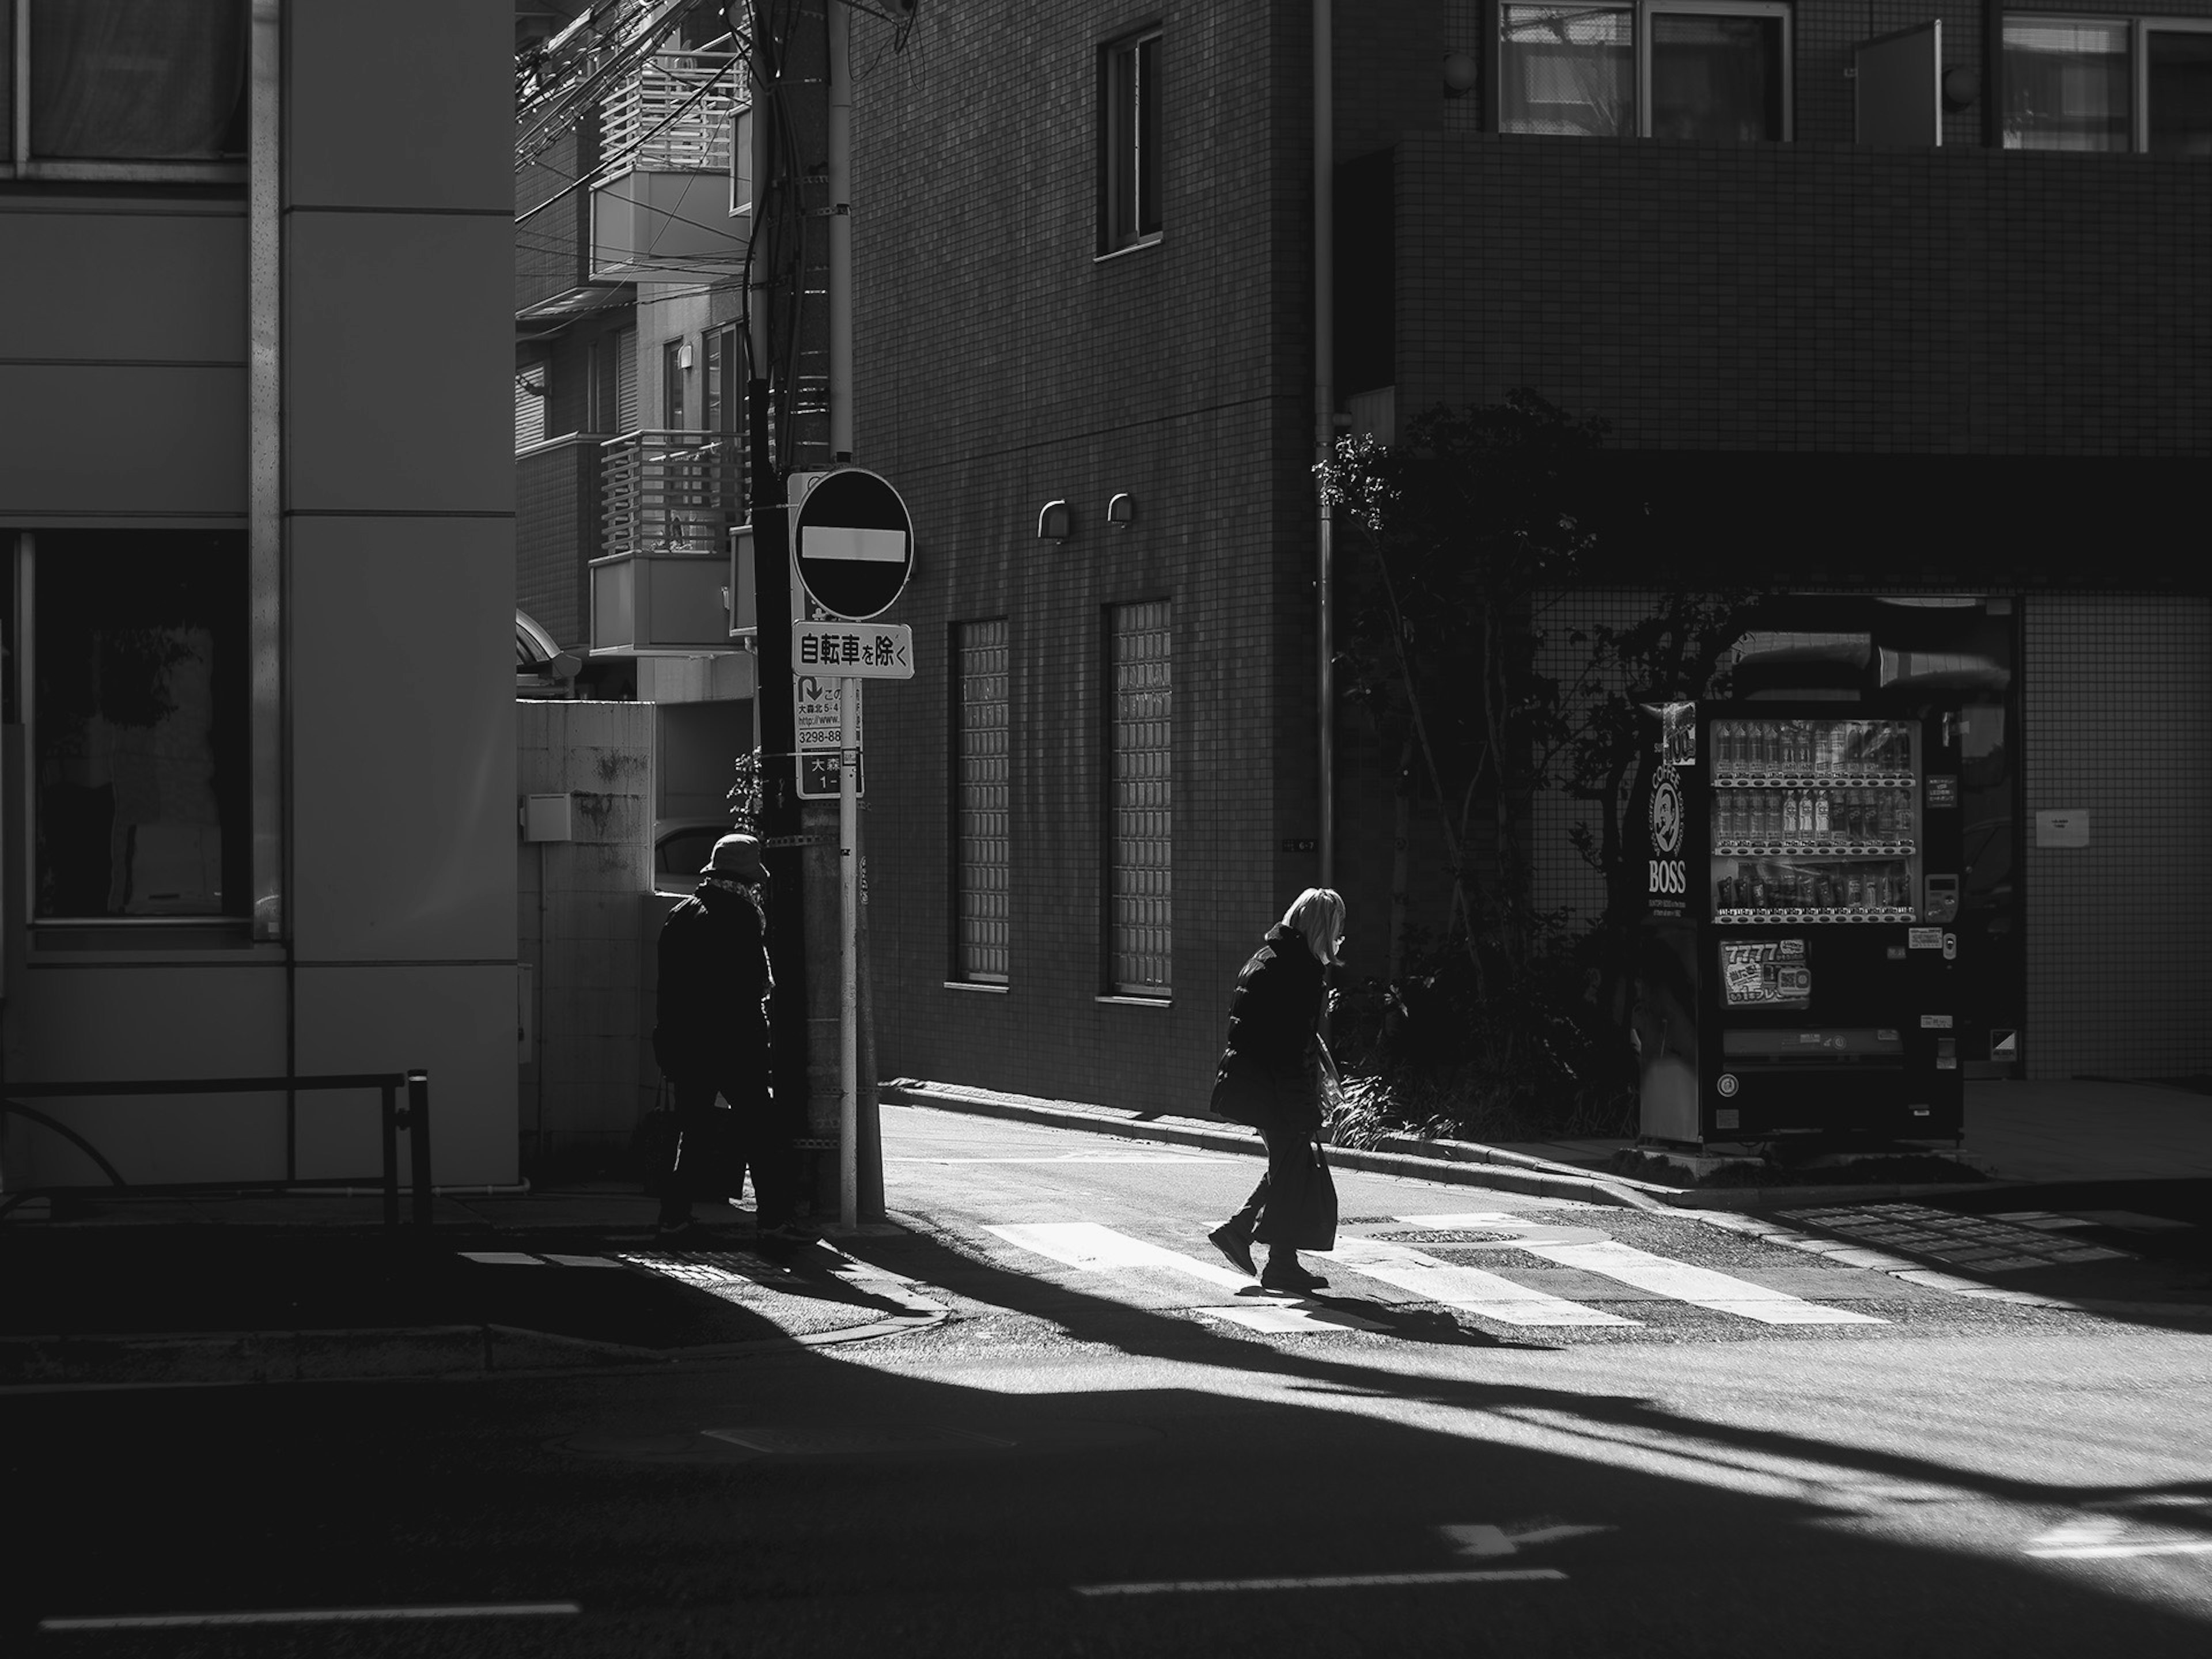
(680,848)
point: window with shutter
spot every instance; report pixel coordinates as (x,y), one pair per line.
(625,348)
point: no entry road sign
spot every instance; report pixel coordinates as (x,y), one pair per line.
(855,544)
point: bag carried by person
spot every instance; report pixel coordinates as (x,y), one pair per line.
(652,1148)
(1314,1228)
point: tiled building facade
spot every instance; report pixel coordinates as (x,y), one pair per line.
(1977,369)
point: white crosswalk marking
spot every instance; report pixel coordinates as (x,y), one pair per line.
(1090,1246)
(1700,1287)
(1467,1288)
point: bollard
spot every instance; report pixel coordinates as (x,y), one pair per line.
(390,1132)
(418,1142)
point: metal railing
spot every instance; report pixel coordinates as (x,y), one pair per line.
(413,1117)
(670,490)
(674,113)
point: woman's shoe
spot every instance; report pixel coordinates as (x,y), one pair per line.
(1230,1240)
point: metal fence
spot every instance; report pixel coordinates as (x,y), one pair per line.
(413,1117)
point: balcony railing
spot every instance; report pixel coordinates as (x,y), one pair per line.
(671,491)
(652,122)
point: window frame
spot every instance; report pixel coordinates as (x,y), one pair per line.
(959,972)
(675,403)
(2139,26)
(1121,154)
(1111,988)
(22,164)
(1640,14)
(2144,26)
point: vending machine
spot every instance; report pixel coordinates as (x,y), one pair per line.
(1799,969)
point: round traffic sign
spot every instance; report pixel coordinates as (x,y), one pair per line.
(855,544)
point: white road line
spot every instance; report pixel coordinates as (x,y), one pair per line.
(1290,1319)
(309,1616)
(1700,1287)
(1334,1581)
(1470,1289)
(501,1258)
(1092,1248)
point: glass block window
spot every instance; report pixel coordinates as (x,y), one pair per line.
(982,837)
(1140,833)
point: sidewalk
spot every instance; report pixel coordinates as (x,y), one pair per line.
(2017,1134)
(298,1288)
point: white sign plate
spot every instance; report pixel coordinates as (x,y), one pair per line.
(2062,829)
(861,651)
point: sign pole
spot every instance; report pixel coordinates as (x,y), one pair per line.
(848,920)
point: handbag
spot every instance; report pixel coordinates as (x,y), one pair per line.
(653,1147)
(1316,1222)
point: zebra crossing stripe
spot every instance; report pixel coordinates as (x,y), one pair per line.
(1093,1248)
(1470,1289)
(1699,1287)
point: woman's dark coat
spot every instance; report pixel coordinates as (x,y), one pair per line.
(1263,1080)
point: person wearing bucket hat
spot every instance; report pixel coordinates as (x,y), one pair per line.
(711,1037)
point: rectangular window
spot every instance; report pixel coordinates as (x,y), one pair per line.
(2108,84)
(529,405)
(671,386)
(108,85)
(720,383)
(2066,84)
(1140,801)
(982,790)
(1714,71)
(1130,170)
(138,717)
(2177,88)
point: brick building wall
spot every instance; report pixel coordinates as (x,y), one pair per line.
(2117,707)
(1812,297)
(1003,364)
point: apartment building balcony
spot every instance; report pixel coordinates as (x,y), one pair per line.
(659,588)
(671,204)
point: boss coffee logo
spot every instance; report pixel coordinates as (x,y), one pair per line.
(1669,874)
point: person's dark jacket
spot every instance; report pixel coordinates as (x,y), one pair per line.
(1263,1080)
(709,1014)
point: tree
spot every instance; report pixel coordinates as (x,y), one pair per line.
(1463,526)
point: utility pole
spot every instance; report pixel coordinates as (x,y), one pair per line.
(801,338)
(780,823)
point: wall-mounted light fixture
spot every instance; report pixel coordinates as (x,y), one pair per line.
(684,355)
(1460,71)
(1121,509)
(1052,522)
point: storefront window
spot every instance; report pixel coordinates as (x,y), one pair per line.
(138,724)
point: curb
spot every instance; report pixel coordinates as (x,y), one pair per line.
(1457,1163)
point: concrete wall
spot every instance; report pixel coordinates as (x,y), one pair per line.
(579,914)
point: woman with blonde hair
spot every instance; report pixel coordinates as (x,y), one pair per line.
(1264,1080)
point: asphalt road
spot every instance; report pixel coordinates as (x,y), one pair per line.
(1098,1453)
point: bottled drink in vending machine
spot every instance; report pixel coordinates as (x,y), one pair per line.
(1878,737)
(1903,815)
(1821,818)
(1901,748)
